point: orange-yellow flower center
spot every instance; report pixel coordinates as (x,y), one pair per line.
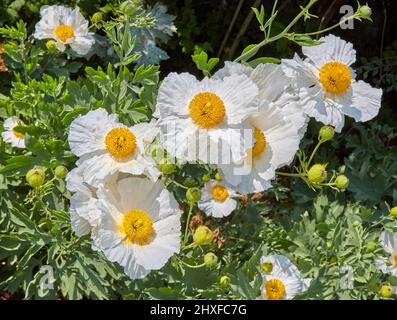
(335,77)
(120,142)
(275,289)
(259,143)
(395,260)
(64,32)
(137,226)
(207,110)
(17,134)
(220,193)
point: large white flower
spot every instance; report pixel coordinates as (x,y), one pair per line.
(16,139)
(388,265)
(278,128)
(281,279)
(107,146)
(205,120)
(66,27)
(140,226)
(327,84)
(217,199)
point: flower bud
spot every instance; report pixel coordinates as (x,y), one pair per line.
(127,7)
(97,17)
(224,282)
(35,177)
(210,260)
(60,172)
(206,178)
(341,182)
(393,212)
(317,173)
(386,291)
(326,133)
(365,12)
(189,182)
(167,167)
(51,46)
(218,177)
(267,267)
(202,236)
(193,195)
(371,246)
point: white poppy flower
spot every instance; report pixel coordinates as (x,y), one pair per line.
(140,226)
(217,199)
(66,27)
(205,120)
(107,146)
(281,279)
(388,265)
(16,139)
(327,84)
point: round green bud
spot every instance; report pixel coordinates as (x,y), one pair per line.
(206,178)
(210,260)
(189,182)
(202,236)
(333,260)
(342,182)
(61,172)
(386,291)
(218,177)
(51,46)
(393,212)
(371,246)
(317,173)
(193,195)
(267,267)
(127,7)
(356,223)
(365,11)
(224,282)
(97,17)
(35,177)
(326,133)
(167,167)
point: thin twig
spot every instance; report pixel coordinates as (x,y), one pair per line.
(229,30)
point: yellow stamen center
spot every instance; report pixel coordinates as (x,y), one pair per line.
(259,143)
(17,134)
(220,193)
(120,143)
(137,226)
(275,289)
(335,77)
(207,110)
(64,32)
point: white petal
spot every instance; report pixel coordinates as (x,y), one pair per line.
(82,44)
(388,240)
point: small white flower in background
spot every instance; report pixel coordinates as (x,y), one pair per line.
(281,279)
(217,199)
(66,27)
(106,146)
(388,265)
(327,84)
(278,128)
(140,226)
(16,139)
(205,120)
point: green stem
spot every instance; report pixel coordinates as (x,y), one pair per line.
(271,17)
(286,174)
(279,36)
(197,266)
(188,221)
(314,152)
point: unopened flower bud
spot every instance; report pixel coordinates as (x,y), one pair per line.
(371,246)
(51,46)
(127,7)
(267,267)
(35,177)
(167,167)
(210,260)
(193,195)
(386,291)
(97,17)
(365,11)
(60,172)
(206,178)
(326,133)
(202,236)
(393,212)
(224,282)
(341,182)
(218,177)
(317,173)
